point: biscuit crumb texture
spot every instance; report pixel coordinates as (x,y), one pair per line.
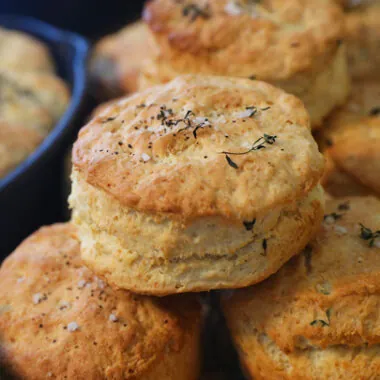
(53,326)
(198,184)
(317,317)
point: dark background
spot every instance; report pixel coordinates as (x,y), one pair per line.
(90,18)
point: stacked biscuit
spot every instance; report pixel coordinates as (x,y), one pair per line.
(317,318)
(204,183)
(212,182)
(299,46)
(295,45)
(33,98)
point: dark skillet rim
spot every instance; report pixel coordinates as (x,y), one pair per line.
(65,126)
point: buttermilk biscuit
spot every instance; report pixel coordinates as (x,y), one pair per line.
(22,52)
(351,4)
(362,26)
(317,318)
(59,321)
(351,125)
(115,65)
(293,44)
(31,103)
(357,152)
(364,101)
(207,182)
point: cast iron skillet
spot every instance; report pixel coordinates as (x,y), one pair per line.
(31,195)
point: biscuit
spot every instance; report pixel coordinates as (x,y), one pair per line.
(317,318)
(360,115)
(199,184)
(363,102)
(293,44)
(338,183)
(59,321)
(362,28)
(22,52)
(357,152)
(115,65)
(31,104)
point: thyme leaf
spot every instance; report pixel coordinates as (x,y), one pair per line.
(231,163)
(257,145)
(374,111)
(369,235)
(249,225)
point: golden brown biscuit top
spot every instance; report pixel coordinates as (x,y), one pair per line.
(356,149)
(55,309)
(269,39)
(202,146)
(329,295)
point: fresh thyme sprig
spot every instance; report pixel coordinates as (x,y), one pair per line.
(249,224)
(189,124)
(321,321)
(199,126)
(369,235)
(231,163)
(253,110)
(375,111)
(194,11)
(164,114)
(257,145)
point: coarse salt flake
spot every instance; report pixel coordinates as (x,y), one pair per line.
(145,157)
(113,318)
(73,326)
(245,114)
(37,298)
(81,284)
(329,219)
(340,230)
(232,8)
